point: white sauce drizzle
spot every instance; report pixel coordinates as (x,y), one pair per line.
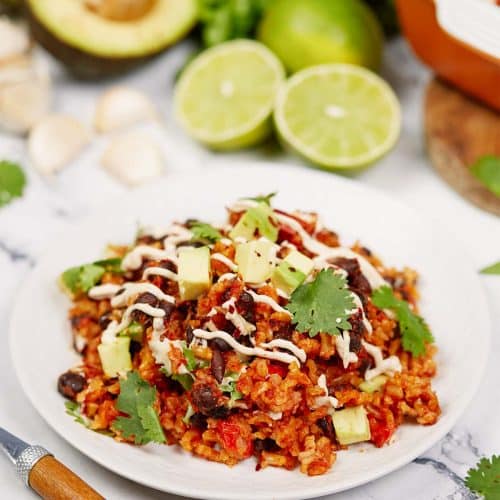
(325,252)
(161,347)
(112,330)
(275,415)
(342,343)
(326,399)
(105,291)
(359,305)
(222,258)
(226,241)
(159,271)
(388,366)
(269,301)
(242,349)
(232,315)
(289,346)
(133,260)
(227,276)
(132,289)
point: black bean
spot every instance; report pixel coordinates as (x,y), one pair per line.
(266,444)
(168,264)
(285,332)
(218,365)
(355,278)
(189,335)
(357,330)
(147,298)
(168,307)
(220,344)
(70,384)
(105,320)
(204,398)
(219,412)
(326,426)
(246,307)
(199,421)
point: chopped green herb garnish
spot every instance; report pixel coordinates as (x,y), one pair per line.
(185,379)
(487,171)
(414,331)
(204,232)
(485,478)
(323,305)
(229,385)
(135,331)
(263,198)
(12,182)
(493,269)
(137,399)
(81,279)
(73,409)
(190,359)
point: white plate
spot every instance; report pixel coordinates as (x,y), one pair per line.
(452,301)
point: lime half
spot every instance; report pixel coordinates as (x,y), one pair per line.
(338,115)
(225,96)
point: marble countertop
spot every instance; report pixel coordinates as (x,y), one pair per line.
(50,205)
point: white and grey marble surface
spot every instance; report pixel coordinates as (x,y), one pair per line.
(50,205)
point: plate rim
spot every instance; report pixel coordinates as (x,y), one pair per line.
(191,491)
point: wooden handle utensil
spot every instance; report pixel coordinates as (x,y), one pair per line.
(54,481)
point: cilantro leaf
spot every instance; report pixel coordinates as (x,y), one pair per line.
(487,171)
(323,305)
(136,399)
(185,379)
(12,182)
(190,359)
(229,385)
(266,198)
(80,279)
(485,478)
(73,409)
(113,265)
(493,269)
(414,331)
(203,231)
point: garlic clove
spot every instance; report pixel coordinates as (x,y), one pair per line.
(120,107)
(55,141)
(15,39)
(133,158)
(25,93)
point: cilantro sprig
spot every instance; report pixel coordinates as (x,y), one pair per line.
(12,182)
(414,331)
(229,385)
(485,478)
(204,232)
(487,171)
(324,305)
(492,269)
(136,399)
(263,198)
(80,279)
(73,409)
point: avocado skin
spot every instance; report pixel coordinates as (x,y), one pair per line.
(81,64)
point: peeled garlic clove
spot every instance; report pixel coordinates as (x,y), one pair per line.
(25,93)
(120,107)
(133,159)
(14,39)
(55,141)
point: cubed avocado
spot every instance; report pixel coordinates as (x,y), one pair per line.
(373,385)
(292,271)
(351,425)
(115,357)
(193,272)
(255,260)
(261,218)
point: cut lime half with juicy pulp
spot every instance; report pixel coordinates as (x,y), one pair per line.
(225,97)
(338,115)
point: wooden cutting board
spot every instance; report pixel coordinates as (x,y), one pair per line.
(458,131)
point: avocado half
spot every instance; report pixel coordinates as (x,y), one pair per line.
(92,45)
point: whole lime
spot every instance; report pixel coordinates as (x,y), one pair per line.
(308,32)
